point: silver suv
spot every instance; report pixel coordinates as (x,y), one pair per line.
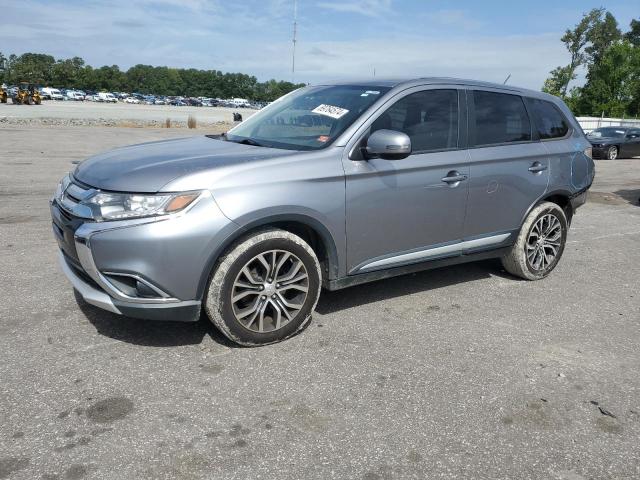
(330,186)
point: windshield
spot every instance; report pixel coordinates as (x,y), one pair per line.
(607,132)
(307,119)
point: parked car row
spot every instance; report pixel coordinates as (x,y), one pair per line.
(49,93)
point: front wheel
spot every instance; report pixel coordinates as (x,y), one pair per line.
(540,243)
(612,153)
(264,288)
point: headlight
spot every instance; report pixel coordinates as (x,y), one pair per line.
(119,206)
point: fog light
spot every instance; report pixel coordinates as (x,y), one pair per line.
(144,290)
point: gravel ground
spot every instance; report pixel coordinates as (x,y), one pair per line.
(69,113)
(462,372)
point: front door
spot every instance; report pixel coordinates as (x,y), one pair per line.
(410,210)
(631,147)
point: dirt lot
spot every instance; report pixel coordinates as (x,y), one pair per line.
(462,372)
(113,114)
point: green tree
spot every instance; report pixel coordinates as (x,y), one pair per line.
(30,67)
(585,42)
(613,82)
(67,72)
(633,35)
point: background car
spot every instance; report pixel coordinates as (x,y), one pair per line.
(615,142)
(131,100)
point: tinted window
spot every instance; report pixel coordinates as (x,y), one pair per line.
(500,118)
(430,118)
(550,123)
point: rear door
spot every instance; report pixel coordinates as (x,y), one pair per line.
(407,211)
(509,169)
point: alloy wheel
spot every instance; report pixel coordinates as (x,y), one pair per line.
(612,153)
(269,291)
(544,241)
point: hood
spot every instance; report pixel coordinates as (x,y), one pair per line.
(147,167)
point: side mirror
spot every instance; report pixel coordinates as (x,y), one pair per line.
(389,145)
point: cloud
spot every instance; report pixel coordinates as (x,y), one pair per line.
(255,38)
(318,52)
(528,58)
(369,8)
(454,18)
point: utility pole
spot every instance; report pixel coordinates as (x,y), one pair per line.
(295,39)
(506,79)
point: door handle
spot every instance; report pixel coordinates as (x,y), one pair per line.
(454,177)
(537,167)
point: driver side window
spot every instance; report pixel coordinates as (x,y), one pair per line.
(429,118)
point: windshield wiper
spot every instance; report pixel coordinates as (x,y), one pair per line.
(250,141)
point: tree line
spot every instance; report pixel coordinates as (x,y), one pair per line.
(45,70)
(611,60)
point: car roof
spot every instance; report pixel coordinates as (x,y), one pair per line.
(411,82)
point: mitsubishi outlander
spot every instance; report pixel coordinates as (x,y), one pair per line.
(329,186)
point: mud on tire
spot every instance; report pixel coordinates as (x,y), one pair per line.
(244,268)
(524,259)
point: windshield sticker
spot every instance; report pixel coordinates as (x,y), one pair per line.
(372,92)
(323,138)
(330,111)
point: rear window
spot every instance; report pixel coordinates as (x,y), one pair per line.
(549,121)
(500,118)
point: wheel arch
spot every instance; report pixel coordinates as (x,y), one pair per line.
(311,230)
(561,197)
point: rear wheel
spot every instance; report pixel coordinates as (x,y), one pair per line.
(264,288)
(612,153)
(540,243)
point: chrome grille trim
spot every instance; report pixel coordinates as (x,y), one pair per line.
(71,196)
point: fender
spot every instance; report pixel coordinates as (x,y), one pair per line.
(247,224)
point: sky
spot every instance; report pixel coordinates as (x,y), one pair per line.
(337,39)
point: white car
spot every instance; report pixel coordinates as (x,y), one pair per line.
(73,95)
(107,97)
(131,100)
(52,93)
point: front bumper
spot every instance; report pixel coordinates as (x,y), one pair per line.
(149,268)
(186,311)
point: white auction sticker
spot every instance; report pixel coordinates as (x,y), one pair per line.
(330,111)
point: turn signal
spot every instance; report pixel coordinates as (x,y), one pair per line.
(180,202)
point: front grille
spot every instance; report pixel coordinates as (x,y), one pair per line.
(65,225)
(72,196)
(77,268)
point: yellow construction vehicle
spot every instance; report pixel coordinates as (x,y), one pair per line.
(3,94)
(26,93)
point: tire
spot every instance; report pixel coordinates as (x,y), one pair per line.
(612,153)
(526,259)
(269,319)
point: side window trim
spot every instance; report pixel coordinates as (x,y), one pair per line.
(462,120)
(532,119)
(472,117)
